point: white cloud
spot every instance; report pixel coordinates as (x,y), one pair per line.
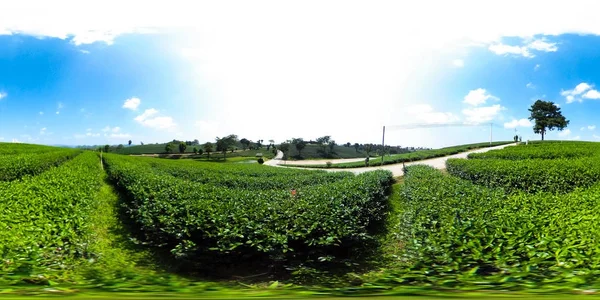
(530,85)
(591,127)
(564,133)
(576,138)
(482,114)
(591,94)
(502,49)
(149,119)
(84,51)
(525,50)
(88,130)
(106,129)
(3,95)
(43,131)
(542,45)
(478,96)
(58,112)
(41,113)
(596,136)
(459,63)
(1,138)
(132,103)
(518,123)
(537,67)
(572,95)
(116,129)
(15,141)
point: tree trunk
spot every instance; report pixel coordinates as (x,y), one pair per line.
(543,132)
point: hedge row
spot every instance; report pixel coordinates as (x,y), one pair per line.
(44,221)
(247,177)
(456,233)
(541,151)
(532,175)
(196,220)
(15,166)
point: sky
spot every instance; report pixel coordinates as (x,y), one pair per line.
(106,72)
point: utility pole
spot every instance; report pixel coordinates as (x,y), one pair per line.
(383,146)
(491,133)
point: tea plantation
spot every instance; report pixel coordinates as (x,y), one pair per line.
(521,219)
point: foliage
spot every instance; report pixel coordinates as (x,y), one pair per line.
(547,116)
(558,168)
(300,144)
(45,220)
(245,143)
(15,166)
(182,147)
(196,220)
(261,160)
(457,234)
(169,148)
(226,143)
(208,148)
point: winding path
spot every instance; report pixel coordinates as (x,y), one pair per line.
(396,169)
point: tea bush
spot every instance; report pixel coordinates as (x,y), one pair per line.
(458,234)
(203,219)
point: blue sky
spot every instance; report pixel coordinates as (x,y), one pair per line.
(108,72)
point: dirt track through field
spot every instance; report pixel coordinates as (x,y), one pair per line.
(396,169)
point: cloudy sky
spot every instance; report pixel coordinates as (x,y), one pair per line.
(109,71)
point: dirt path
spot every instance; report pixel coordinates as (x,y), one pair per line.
(396,169)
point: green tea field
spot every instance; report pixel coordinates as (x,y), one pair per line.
(520,221)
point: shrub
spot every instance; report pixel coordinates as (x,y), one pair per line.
(261,160)
(201,220)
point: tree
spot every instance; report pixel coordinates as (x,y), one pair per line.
(120,147)
(208,147)
(284,147)
(182,147)
(245,143)
(323,143)
(300,145)
(106,148)
(142,143)
(331,146)
(129,142)
(196,142)
(226,143)
(356,145)
(259,144)
(169,147)
(368,149)
(547,116)
(195,150)
(200,151)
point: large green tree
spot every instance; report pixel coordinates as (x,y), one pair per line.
(245,143)
(300,145)
(208,148)
(226,143)
(547,117)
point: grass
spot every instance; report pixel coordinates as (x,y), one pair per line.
(406,157)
